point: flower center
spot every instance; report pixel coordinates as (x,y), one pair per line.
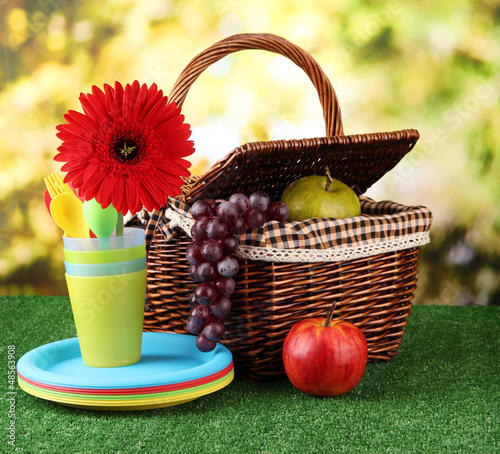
(126,149)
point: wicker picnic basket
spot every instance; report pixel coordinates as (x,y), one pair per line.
(368,269)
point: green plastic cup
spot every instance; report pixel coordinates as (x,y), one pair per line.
(109,317)
(109,256)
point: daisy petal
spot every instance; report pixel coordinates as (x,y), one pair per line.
(160,107)
(94,111)
(153,99)
(141,102)
(83,120)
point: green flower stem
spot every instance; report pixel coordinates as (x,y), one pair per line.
(119,225)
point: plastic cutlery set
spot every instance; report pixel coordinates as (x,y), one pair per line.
(77,217)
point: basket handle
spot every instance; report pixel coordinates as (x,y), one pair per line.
(257,41)
(272,43)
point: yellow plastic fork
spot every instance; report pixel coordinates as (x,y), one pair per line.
(66,208)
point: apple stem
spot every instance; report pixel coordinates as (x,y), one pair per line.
(329,179)
(329,315)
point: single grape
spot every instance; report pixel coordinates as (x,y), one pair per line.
(200,315)
(221,307)
(216,229)
(205,293)
(214,330)
(255,218)
(225,285)
(193,253)
(211,250)
(193,328)
(206,272)
(278,211)
(193,273)
(227,212)
(237,227)
(204,344)
(241,201)
(199,229)
(229,245)
(260,200)
(201,208)
(228,266)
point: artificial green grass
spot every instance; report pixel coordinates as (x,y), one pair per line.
(440,394)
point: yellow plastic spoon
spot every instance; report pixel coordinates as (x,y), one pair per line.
(67,212)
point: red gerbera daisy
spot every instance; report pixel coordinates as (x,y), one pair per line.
(126,148)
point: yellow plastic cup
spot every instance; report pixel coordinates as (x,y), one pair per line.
(109,316)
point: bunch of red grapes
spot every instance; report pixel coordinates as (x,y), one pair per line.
(215,232)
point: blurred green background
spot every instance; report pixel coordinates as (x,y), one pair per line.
(432,66)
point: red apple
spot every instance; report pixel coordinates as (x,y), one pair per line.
(323,358)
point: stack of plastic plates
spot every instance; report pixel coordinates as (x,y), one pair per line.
(171,371)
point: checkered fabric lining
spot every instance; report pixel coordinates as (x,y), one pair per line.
(380,222)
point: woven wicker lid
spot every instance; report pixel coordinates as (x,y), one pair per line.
(357,160)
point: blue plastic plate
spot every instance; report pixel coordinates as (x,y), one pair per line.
(167,358)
